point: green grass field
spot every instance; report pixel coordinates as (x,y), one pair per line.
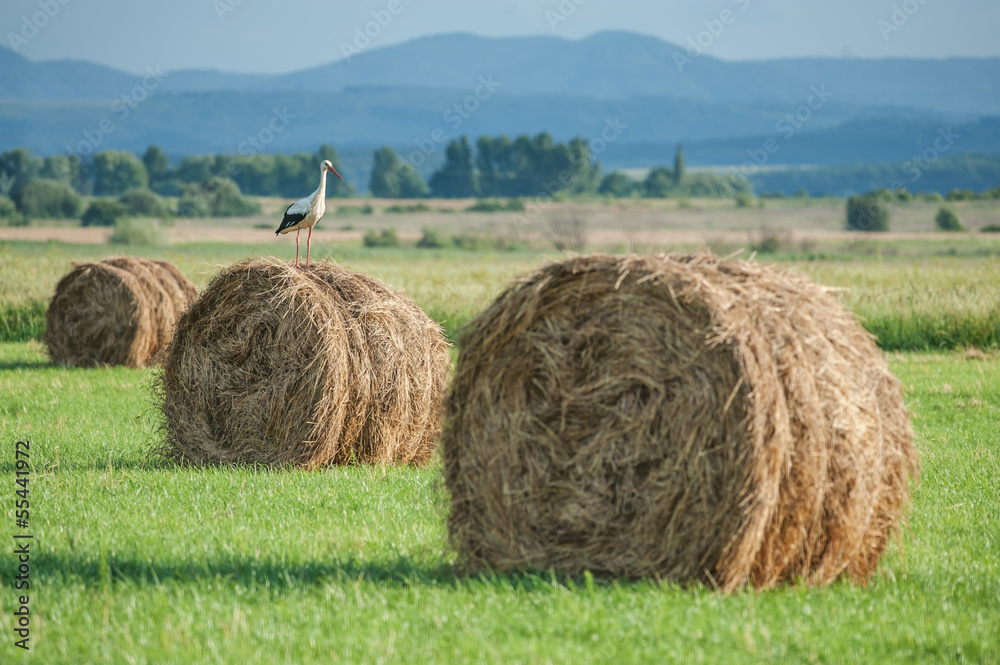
(138,561)
(911,296)
(142,563)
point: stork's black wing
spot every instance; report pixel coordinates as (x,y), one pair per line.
(294,214)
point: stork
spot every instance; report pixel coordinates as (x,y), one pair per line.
(304,213)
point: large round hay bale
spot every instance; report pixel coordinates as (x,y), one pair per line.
(281,366)
(678,417)
(120,311)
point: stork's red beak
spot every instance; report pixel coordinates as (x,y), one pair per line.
(335,172)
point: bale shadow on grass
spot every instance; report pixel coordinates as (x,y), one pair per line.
(268,573)
(29,364)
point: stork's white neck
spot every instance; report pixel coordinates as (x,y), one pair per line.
(321,192)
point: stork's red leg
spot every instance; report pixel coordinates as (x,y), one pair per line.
(297,233)
(309,243)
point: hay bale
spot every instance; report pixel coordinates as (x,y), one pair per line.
(677,417)
(280,366)
(154,281)
(119,311)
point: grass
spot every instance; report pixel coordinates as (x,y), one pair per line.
(148,563)
(912,302)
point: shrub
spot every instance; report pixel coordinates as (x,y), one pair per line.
(9,215)
(399,207)
(744,200)
(617,184)
(768,240)
(990,228)
(348,211)
(867,212)
(103,212)
(474,241)
(385,238)
(144,232)
(47,198)
(961,195)
(216,197)
(933,197)
(143,203)
(492,205)
(431,239)
(947,220)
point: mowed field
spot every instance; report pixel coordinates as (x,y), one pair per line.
(138,561)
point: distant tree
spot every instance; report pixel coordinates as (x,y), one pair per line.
(216,197)
(393,178)
(194,202)
(9,215)
(103,212)
(157,165)
(143,203)
(867,212)
(456,179)
(334,186)
(948,220)
(197,168)
(617,183)
(116,172)
(679,166)
(44,198)
(962,195)
(659,182)
(384,182)
(64,168)
(411,183)
(8,208)
(18,167)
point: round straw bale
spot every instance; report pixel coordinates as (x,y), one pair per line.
(163,312)
(119,311)
(678,417)
(100,315)
(276,365)
(186,286)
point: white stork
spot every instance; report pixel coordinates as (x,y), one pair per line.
(304,213)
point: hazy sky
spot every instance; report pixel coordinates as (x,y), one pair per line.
(273,36)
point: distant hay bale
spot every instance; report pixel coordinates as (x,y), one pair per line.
(280,366)
(678,417)
(120,311)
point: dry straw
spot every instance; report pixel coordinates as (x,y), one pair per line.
(280,366)
(678,417)
(120,311)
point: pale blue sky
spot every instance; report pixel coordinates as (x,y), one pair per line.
(273,36)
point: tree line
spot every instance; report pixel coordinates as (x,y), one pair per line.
(495,166)
(538,166)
